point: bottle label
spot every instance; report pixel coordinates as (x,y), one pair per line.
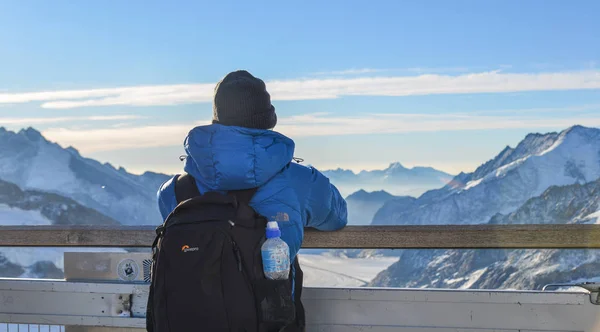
(276,259)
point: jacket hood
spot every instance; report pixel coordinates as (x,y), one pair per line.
(231,158)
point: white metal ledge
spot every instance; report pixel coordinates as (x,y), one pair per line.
(114,305)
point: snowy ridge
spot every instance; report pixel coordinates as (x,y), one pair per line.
(551,178)
(532,144)
(538,162)
(509,269)
(576,150)
(33,207)
(592,218)
(31,162)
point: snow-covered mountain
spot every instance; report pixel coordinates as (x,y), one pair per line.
(362,205)
(504,183)
(509,269)
(32,207)
(551,178)
(396,179)
(43,184)
(31,162)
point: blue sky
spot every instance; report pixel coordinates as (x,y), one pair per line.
(357,84)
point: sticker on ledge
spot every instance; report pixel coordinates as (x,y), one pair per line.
(128,270)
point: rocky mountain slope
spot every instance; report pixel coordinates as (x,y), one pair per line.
(32,207)
(547,178)
(31,162)
(506,182)
(510,269)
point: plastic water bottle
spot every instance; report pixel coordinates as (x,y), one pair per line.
(275,254)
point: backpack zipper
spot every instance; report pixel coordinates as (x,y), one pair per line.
(238,256)
(240,261)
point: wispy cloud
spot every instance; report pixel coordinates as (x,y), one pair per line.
(325,88)
(108,139)
(50,120)
(434,70)
(309,125)
(132,96)
(319,125)
(541,110)
(411,70)
(353,71)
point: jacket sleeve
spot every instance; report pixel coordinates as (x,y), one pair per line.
(166,198)
(325,207)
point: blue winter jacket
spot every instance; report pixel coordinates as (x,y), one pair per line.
(223,158)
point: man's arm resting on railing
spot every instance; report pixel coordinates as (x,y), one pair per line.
(325,208)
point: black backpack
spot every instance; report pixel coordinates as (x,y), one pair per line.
(207,274)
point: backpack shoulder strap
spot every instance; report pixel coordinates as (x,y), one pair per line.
(243,196)
(185,188)
(245,215)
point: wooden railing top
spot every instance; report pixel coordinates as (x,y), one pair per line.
(351,237)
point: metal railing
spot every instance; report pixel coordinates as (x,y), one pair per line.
(352,237)
(379,309)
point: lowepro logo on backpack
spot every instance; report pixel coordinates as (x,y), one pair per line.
(187,248)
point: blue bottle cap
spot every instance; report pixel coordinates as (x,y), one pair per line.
(273,230)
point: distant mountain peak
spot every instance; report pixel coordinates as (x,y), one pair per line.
(341,170)
(535,142)
(396,166)
(363,205)
(363,195)
(396,179)
(151,173)
(588,132)
(533,135)
(34,163)
(32,134)
(580,127)
(360,193)
(109,165)
(532,144)
(507,149)
(73,150)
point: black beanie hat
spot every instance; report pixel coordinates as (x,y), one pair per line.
(242,100)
